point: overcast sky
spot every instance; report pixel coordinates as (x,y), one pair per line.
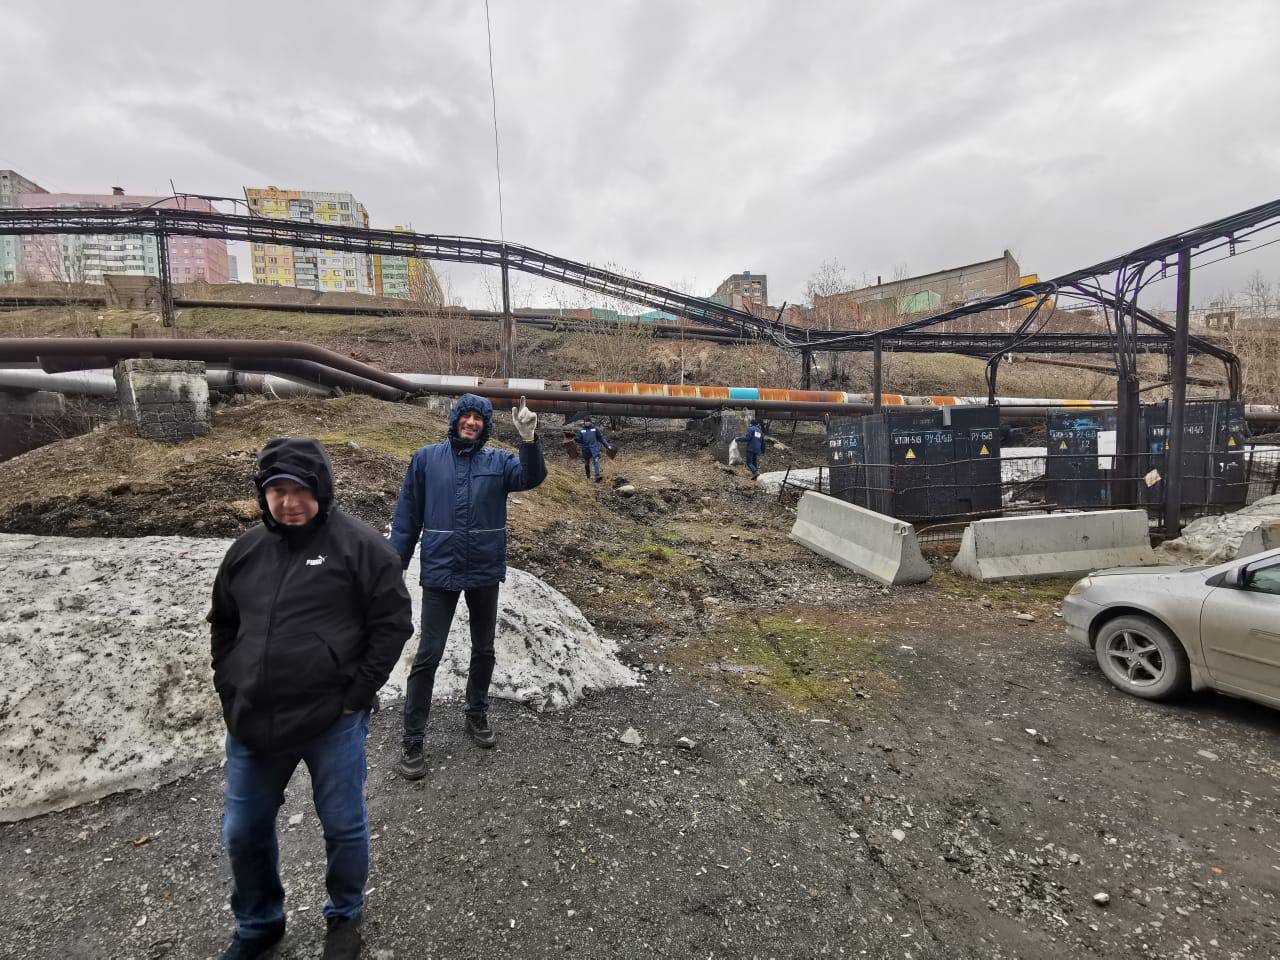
(682,141)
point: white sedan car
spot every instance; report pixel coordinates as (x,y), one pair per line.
(1159,631)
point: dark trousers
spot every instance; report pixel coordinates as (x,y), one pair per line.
(437,616)
(589,460)
(753,462)
(255,791)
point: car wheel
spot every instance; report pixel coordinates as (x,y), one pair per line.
(1140,656)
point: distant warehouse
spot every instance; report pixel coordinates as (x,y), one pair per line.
(883,304)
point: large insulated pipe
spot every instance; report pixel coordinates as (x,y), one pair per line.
(312,362)
(102,383)
(112,349)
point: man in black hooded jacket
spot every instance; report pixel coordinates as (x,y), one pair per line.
(310,613)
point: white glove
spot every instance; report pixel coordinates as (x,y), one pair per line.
(526,421)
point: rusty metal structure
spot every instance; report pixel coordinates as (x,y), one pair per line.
(1111,286)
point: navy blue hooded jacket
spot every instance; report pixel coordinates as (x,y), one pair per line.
(754,439)
(455,496)
(590,439)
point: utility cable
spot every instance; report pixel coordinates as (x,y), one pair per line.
(493,94)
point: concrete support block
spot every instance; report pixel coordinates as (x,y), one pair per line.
(733,424)
(35,403)
(882,548)
(1054,545)
(1263,537)
(164,399)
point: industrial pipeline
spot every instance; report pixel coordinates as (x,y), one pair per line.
(308,364)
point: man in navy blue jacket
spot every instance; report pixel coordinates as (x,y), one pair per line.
(753,441)
(590,440)
(454,496)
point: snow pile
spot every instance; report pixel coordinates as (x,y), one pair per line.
(104,666)
(1017,465)
(1215,539)
(105,681)
(548,655)
(804,477)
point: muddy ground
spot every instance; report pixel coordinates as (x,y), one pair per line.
(885,773)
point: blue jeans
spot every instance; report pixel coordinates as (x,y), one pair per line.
(588,460)
(753,462)
(437,617)
(255,791)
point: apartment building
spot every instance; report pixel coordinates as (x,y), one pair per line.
(12,186)
(86,259)
(406,278)
(744,291)
(309,269)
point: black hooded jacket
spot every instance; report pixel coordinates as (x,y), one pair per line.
(306,621)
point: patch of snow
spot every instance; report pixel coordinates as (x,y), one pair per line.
(1216,539)
(105,682)
(806,477)
(1017,465)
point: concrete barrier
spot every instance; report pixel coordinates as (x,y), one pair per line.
(1054,545)
(1263,537)
(882,548)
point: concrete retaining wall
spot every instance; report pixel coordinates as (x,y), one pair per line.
(164,399)
(882,548)
(1054,545)
(1265,536)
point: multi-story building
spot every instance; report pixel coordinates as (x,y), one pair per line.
(880,303)
(12,186)
(86,259)
(406,278)
(310,269)
(744,291)
(233,268)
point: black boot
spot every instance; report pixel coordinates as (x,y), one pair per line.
(413,762)
(478,729)
(342,939)
(255,947)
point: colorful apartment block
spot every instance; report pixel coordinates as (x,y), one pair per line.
(86,259)
(406,278)
(12,186)
(309,269)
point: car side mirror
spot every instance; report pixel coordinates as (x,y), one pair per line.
(1235,577)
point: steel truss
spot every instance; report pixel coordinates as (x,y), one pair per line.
(1112,286)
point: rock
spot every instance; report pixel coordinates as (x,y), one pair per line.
(295,819)
(625,490)
(631,737)
(1025,617)
(246,510)
(899,835)
(147,486)
(1207,754)
(1102,898)
(684,743)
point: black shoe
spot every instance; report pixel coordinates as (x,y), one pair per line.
(478,729)
(413,763)
(342,938)
(255,947)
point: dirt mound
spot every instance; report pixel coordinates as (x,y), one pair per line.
(111,483)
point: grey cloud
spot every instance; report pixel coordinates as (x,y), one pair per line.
(681,140)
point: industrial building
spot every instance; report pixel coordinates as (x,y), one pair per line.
(880,304)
